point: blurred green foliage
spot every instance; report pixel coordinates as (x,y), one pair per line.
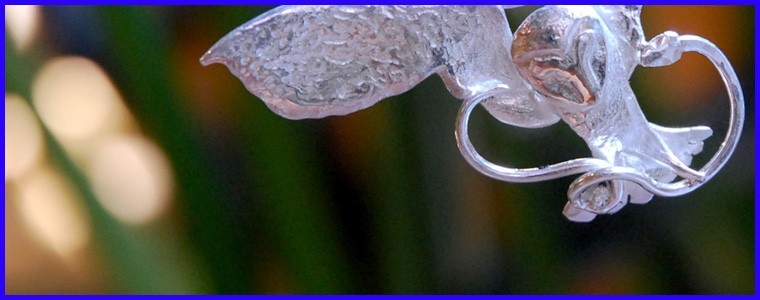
(379,201)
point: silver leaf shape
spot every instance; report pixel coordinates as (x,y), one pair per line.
(317,61)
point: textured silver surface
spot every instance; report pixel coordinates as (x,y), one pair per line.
(316,61)
(582,58)
(564,62)
(571,54)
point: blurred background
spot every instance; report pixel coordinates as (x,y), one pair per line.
(130,168)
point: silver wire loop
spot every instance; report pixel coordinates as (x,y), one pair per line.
(568,63)
(692,43)
(566,168)
(688,43)
(599,171)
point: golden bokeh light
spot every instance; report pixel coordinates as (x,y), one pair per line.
(53,211)
(131,178)
(78,102)
(22,22)
(76,99)
(23,137)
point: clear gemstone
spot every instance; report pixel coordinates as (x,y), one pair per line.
(596,198)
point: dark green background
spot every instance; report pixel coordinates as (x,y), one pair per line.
(380,201)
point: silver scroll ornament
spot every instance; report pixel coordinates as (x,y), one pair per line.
(569,63)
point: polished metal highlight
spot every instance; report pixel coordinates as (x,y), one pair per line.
(569,63)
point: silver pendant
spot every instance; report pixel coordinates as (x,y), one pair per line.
(569,63)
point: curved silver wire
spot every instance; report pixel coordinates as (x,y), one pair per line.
(597,170)
(692,43)
(688,43)
(567,168)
